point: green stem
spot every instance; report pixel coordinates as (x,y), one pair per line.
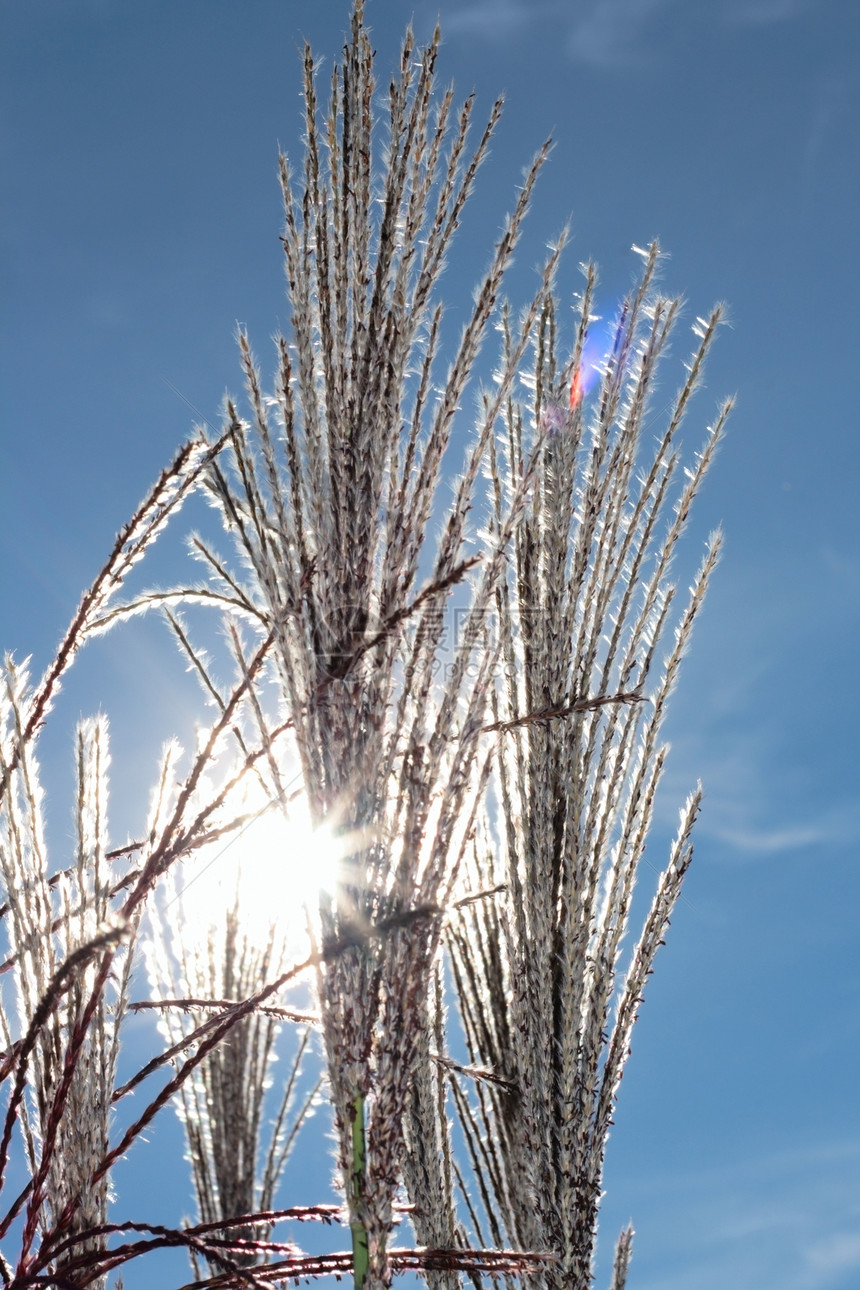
(360,1255)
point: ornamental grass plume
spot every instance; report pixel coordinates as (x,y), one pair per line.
(67,1018)
(329,499)
(63,933)
(197,967)
(69,934)
(582,619)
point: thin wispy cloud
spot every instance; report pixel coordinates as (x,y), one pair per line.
(768,841)
(788,1219)
(749,724)
(496,20)
(614,33)
(833,99)
(835,1256)
(600,33)
(753,807)
(607,34)
(762,13)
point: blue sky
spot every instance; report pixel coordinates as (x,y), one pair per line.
(140,221)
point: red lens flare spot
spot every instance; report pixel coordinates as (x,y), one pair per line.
(576,389)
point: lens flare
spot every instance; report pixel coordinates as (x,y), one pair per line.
(576,389)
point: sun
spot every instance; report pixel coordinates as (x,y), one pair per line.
(273,868)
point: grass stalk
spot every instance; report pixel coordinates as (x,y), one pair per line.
(360,1247)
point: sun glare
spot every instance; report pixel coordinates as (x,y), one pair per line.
(276,864)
